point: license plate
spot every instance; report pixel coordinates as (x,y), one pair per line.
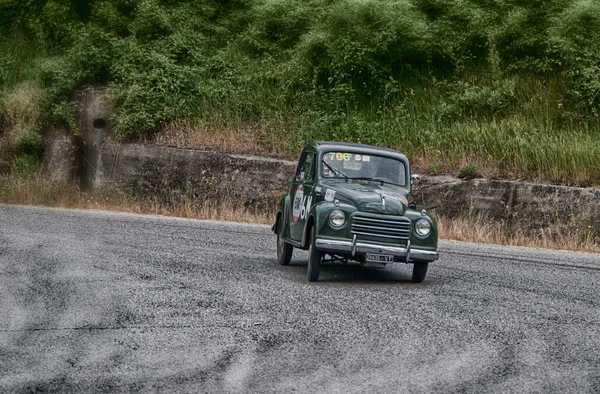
(379,258)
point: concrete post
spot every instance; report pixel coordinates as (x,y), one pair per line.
(92,118)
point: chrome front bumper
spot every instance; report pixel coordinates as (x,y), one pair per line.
(355,247)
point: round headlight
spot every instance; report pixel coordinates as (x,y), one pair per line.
(423,227)
(337,218)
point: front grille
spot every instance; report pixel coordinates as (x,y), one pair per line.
(381,227)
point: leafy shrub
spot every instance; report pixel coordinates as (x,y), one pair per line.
(522,39)
(358,48)
(152,21)
(434,168)
(470,100)
(576,33)
(461,31)
(278,25)
(468,172)
(29,143)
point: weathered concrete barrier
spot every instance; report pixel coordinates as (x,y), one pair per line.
(159,172)
(522,204)
(60,158)
(169,174)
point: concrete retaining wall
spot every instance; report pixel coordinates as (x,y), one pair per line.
(149,170)
(164,173)
(526,205)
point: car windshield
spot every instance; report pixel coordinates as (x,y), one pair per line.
(352,165)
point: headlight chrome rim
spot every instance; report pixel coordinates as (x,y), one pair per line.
(423,227)
(337,218)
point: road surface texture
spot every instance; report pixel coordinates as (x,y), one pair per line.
(106,302)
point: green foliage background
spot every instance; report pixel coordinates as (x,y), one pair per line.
(512,82)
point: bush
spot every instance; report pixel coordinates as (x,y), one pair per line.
(434,169)
(467,100)
(29,143)
(468,172)
(576,33)
(359,49)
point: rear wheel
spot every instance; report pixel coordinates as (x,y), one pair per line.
(314,259)
(284,250)
(420,271)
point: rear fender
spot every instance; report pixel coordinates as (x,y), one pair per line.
(283,213)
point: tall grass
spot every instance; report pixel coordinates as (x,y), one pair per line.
(528,141)
(36,189)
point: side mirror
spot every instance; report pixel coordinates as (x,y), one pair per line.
(415,179)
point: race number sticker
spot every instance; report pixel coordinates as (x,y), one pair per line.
(329,195)
(297,203)
(302,205)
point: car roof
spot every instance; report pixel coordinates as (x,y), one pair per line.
(351,146)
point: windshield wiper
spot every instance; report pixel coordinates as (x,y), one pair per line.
(335,171)
(377,179)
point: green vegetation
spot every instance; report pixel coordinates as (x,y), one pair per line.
(468,172)
(434,168)
(512,86)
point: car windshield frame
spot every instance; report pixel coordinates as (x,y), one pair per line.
(345,175)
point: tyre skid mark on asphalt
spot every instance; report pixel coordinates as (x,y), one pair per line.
(498,283)
(144,245)
(513,259)
(115,328)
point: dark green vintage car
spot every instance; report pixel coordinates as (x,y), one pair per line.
(350,202)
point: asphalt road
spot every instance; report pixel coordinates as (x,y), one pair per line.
(104,302)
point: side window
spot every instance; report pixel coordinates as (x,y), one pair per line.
(306,171)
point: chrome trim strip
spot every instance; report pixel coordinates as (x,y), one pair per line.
(424,255)
(399,236)
(397,229)
(335,245)
(389,221)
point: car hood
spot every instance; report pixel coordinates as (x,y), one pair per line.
(368,196)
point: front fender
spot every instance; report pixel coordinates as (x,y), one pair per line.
(430,241)
(319,219)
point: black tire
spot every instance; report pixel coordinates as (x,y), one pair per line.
(420,271)
(284,250)
(314,259)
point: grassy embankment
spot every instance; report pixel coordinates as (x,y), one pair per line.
(505,89)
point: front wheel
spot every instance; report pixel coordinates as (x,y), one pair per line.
(284,250)
(314,259)
(419,271)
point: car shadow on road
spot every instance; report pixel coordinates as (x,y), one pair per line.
(354,272)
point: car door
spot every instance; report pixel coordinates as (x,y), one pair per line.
(302,196)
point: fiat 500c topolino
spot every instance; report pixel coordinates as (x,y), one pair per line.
(350,202)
